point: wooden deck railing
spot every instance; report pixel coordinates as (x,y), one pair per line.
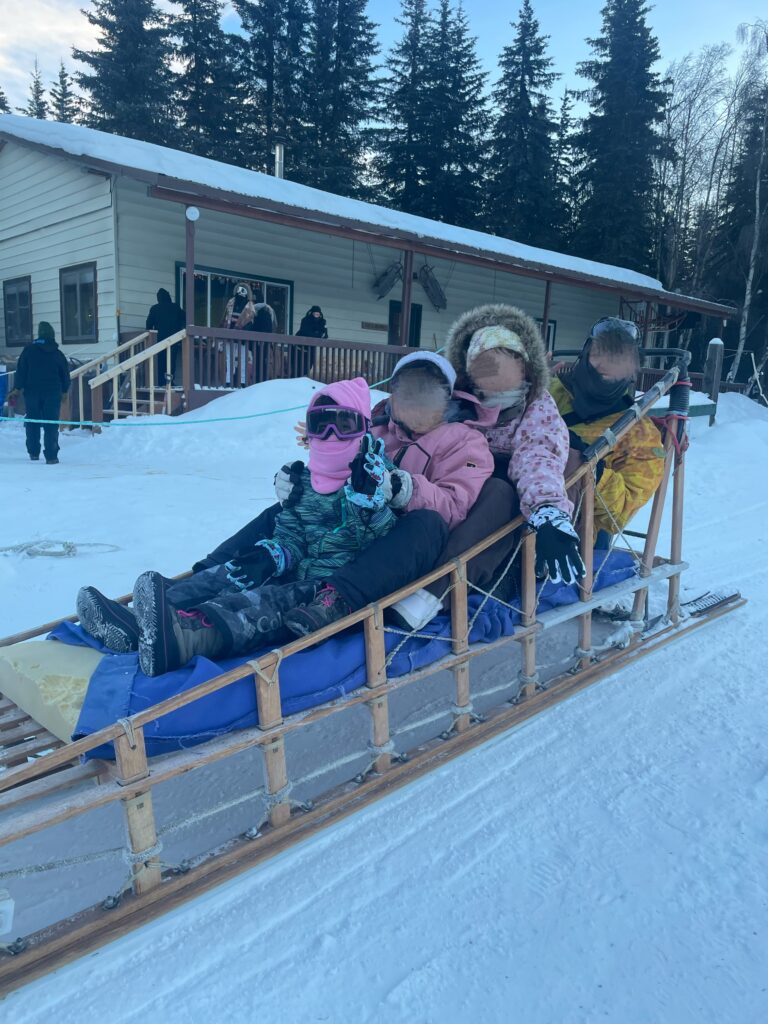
(222,358)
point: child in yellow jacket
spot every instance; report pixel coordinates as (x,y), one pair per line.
(591,395)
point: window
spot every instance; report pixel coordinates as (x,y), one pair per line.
(17,303)
(214,289)
(393,335)
(549,341)
(77,286)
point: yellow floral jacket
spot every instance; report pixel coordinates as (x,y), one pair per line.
(632,471)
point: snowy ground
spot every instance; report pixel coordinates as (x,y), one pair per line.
(607,861)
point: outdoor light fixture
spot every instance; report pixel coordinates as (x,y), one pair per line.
(192,213)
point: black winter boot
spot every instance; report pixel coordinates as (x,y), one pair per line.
(110,623)
(327,607)
(162,647)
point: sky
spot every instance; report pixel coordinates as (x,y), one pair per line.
(48,29)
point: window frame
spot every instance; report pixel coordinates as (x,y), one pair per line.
(80,339)
(181,268)
(550,341)
(31,338)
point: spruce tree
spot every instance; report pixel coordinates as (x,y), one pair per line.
(455,121)
(619,139)
(271,70)
(339,94)
(207,99)
(566,158)
(130,87)
(37,105)
(63,99)
(404,142)
(522,193)
(5,107)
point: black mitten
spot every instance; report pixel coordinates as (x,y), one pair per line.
(251,570)
(557,546)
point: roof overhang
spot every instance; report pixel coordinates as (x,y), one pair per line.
(193,193)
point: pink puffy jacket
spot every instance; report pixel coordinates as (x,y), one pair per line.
(537,444)
(449,465)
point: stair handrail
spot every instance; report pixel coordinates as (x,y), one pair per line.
(79,371)
(138,359)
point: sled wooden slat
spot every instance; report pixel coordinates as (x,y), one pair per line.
(26,731)
(528,675)
(132,766)
(586,538)
(267,675)
(65,778)
(460,643)
(376,678)
(14,716)
(652,536)
(5,704)
(676,546)
(19,752)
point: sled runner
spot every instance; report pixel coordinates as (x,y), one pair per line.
(196,815)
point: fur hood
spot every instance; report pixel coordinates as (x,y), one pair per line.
(516,320)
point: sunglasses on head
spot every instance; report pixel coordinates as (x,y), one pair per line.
(346,424)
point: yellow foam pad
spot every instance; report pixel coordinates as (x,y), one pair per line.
(48,680)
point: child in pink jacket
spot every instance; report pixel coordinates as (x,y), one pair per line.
(429,457)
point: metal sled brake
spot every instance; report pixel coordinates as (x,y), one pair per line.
(51,799)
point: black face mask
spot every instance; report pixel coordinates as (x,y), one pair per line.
(593,395)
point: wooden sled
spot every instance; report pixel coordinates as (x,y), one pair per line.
(52,798)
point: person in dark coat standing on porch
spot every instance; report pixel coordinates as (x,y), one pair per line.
(167,318)
(42,374)
(312,326)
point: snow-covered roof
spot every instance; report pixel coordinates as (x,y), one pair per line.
(172,167)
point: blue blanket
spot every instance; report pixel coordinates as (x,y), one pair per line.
(119,688)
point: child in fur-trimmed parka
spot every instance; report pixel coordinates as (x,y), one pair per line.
(335,510)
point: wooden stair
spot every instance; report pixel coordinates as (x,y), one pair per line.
(149,402)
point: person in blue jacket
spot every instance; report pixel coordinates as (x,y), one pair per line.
(43,375)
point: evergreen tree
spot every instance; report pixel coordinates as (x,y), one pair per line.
(37,105)
(566,157)
(130,88)
(271,69)
(63,99)
(208,101)
(404,142)
(619,139)
(455,121)
(5,107)
(339,95)
(522,199)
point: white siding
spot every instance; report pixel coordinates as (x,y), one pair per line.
(54,215)
(333,272)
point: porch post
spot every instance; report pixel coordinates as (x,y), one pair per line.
(545,314)
(191,216)
(405,308)
(646,325)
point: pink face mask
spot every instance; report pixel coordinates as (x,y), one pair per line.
(329,462)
